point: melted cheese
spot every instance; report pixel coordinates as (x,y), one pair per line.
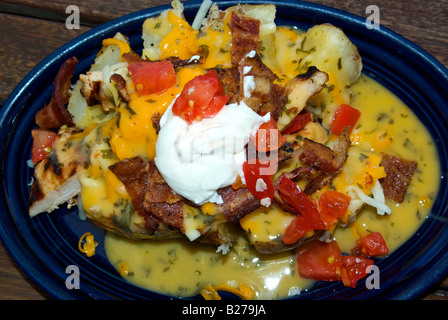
(180,268)
(181,41)
(281,52)
(216,44)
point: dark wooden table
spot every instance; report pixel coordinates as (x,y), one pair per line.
(32,29)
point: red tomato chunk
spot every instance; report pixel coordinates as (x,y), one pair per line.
(354,268)
(299,122)
(323,261)
(202,97)
(268,137)
(258,183)
(344,116)
(152,77)
(371,245)
(42,142)
(333,205)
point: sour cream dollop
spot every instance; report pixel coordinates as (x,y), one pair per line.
(198,159)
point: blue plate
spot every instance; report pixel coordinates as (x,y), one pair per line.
(46,245)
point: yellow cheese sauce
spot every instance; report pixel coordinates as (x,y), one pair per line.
(181,268)
(387,125)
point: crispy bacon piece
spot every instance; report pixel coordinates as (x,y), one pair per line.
(245,35)
(121,86)
(158,189)
(54,114)
(399,173)
(133,174)
(132,57)
(340,149)
(230,80)
(237,203)
(265,97)
(92,87)
(177,62)
(318,156)
(151,196)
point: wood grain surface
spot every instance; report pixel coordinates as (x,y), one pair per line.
(32,29)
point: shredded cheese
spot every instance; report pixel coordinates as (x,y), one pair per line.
(87,244)
(378,195)
(209,293)
(202,13)
(377,203)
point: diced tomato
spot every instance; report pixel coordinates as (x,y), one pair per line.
(319,260)
(202,97)
(152,77)
(344,116)
(294,196)
(323,261)
(257,181)
(268,137)
(371,245)
(354,268)
(297,229)
(309,218)
(42,142)
(333,205)
(299,122)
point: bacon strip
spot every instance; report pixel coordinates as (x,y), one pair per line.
(133,174)
(399,173)
(340,149)
(245,35)
(318,156)
(266,95)
(121,86)
(237,203)
(54,114)
(132,57)
(151,196)
(161,200)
